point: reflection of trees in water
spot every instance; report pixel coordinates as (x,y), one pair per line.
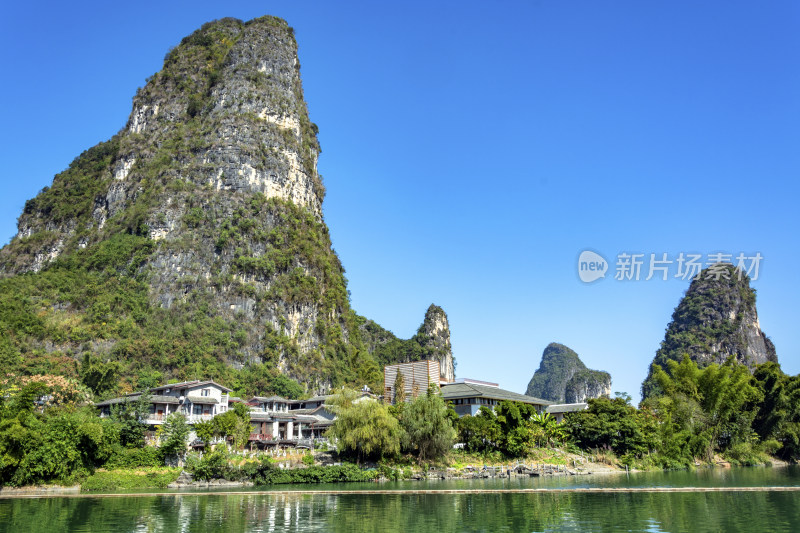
(409,512)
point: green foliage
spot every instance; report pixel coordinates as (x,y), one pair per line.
(215,464)
(73,192)
(364,429)
(269,474)
(778,417)
(128,417)
(59,446)
(261,379)
(173,433)
(513,429)
(612,424)
(205,430)
(710,314)
(119,480)
(698,414)
(102,377)
(145,457)
(427,426)
(715,407)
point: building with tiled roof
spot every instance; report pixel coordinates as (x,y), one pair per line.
(196,400)
(468,395)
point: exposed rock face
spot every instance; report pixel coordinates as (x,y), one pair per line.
(563,378)
(210,198)
(432,342)
(434,337)
(716,319)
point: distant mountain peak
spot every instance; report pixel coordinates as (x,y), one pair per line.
(563,378)
(716,319)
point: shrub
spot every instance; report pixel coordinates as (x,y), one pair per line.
(148,456)
(111,481)
(268,474)
(213,465)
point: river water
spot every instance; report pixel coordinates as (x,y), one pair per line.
(286,508)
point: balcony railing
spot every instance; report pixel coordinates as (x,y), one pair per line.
(191,419)
(158,418)
(297,441)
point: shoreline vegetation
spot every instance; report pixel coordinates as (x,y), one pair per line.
(142,481)
(549,463)
(720,415)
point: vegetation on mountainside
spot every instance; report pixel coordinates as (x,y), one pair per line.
(159,274)
(562,374)
(708,324)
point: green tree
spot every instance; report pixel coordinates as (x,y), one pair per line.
(205,431)
(479,433)
(364,428)
(778,415)
(611,424)
(552,431)
(128,416)
(399,389)
(428,429)
(224,425)
(102,377)
(714,407)
(173,433)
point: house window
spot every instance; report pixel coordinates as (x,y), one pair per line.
(205,392)
(222,408)
(198,409)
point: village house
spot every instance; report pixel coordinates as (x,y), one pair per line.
(280,421)
(465,395)
(275,421)
(468,395)
(559,410)
(197,400)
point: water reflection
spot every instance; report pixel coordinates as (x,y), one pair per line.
(354,513)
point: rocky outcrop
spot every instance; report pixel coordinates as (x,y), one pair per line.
(434,337)
(715,320)
(563,378)
(209,200)
(431,342)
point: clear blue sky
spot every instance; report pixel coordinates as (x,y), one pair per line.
(471,151)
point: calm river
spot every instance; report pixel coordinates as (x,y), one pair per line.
(560,509)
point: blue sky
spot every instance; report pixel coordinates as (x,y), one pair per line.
(472,150)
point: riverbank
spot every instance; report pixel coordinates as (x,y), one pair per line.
(546,463)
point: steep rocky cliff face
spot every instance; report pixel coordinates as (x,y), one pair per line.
(563,378)
(192,242)
(431,342)
(716,319)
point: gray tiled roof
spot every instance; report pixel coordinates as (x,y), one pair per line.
(453,391)
(270,399)
(189,384)
(202,399)
(285,417)
(154,398)
(566,407)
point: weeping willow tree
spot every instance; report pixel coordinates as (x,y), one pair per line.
(363,427)
(428,426)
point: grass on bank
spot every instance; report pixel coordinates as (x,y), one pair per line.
(105,481)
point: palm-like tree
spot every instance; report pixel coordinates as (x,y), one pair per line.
(553,431)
